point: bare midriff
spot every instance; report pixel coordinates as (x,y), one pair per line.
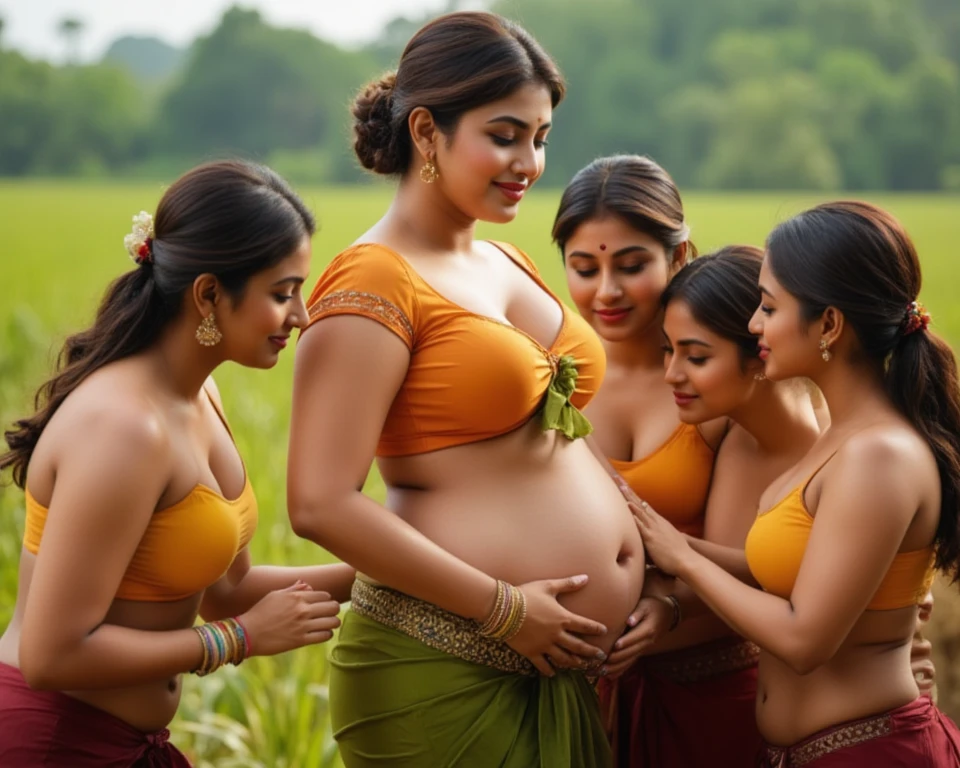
(869,675)
(526,506)
(148,707)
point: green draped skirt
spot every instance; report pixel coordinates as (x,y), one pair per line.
(397,702)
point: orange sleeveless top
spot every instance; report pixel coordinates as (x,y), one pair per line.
(471,377)
(187,546)
(778,539)
(675,478)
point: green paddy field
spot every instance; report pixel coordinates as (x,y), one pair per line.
(61,242)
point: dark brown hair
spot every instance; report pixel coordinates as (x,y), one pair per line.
(231,219)
(632,187)
(858,258)
(457,62)
(722,291)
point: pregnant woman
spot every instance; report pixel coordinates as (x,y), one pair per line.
(450,360)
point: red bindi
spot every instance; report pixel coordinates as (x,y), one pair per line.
(603,247)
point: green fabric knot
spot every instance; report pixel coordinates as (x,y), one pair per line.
(558,412)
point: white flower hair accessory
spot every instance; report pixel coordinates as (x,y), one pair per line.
(139,243)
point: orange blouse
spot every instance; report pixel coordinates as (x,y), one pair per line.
(675,478)
(471,377)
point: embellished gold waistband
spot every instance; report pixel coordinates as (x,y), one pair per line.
(435,627)
(703,662)
(829,741)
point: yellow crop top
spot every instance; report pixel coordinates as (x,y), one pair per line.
(187,546)
(675,478)
(471,377)
(778,539)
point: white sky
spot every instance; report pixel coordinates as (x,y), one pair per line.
(31,25)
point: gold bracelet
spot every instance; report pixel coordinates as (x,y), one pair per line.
(508,613)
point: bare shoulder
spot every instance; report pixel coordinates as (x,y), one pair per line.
(889,457)
(117,405)
(735,446)
(887,445)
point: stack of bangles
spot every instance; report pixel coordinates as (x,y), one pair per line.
(224,642)
(507,615)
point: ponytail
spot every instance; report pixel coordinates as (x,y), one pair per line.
(922,381)
(231,219)
(858,258)
(130,318)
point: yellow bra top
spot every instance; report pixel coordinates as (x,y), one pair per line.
(778,539)
(675,478)
(187,546)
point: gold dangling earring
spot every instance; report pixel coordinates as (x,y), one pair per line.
(429,172)
(825,351)
(208,335)
(760,376)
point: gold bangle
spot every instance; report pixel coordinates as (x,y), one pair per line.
(496,615)
(508,613)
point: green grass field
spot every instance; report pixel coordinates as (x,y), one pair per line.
(61,242)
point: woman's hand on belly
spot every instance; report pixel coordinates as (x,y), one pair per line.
(665,545)
(548,635)
(648,623)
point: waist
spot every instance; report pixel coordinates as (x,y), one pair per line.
(701,662)
(848,734)
(435,627)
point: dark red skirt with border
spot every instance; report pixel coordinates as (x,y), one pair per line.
(916,735)
(42,729)
(692,708)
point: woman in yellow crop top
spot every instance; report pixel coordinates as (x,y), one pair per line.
(621,229)
(845,542)
(450,362)
(139,508)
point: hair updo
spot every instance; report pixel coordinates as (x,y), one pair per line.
(632,187)
(457,62)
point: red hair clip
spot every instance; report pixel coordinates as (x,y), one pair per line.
(917,318)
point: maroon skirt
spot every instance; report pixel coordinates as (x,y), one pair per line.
(916,735)
(41,729)
(691,708)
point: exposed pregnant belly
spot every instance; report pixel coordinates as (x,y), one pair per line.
(525,507)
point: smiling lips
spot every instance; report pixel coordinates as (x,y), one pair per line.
(612,316)
(682,398)
(511,190)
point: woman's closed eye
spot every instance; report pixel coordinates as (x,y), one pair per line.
(504,141)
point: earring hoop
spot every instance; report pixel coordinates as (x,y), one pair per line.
(208,334)
(429,172)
